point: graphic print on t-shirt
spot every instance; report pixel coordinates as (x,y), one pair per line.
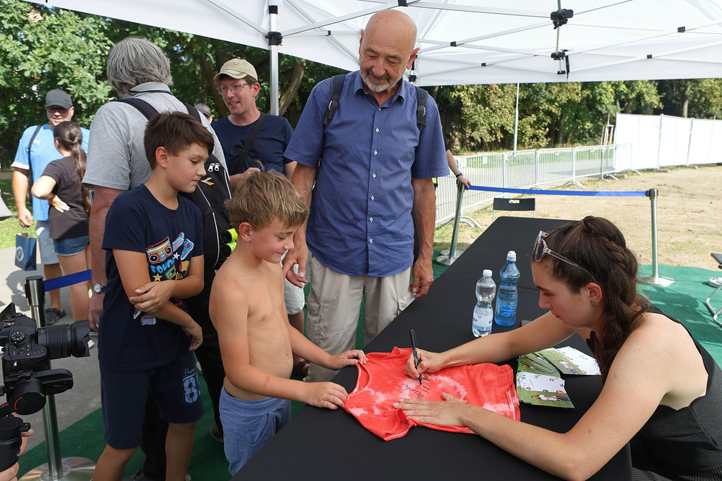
(167,261)
(382,382)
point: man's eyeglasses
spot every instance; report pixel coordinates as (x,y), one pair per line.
(541,249)
(234,89)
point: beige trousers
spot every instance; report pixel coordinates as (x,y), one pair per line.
(333,309)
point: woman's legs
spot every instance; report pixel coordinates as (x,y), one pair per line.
(78,292)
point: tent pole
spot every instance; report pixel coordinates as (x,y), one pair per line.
(516,118)
(272,18)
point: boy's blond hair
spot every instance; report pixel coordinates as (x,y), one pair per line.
(263,197)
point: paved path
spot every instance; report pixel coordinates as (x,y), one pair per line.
(84,397)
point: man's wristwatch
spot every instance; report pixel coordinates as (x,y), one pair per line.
(459,175)
(98,288)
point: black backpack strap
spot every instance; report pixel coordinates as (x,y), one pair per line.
(336,87)
(193,112)
(143,107)
(422,96)
(249,143)
(30,147)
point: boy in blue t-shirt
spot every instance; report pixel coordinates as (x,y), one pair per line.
(146,336)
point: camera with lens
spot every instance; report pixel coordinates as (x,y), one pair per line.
(27,352)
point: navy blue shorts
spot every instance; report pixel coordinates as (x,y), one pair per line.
(174,387)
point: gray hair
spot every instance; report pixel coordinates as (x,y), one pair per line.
(134,61)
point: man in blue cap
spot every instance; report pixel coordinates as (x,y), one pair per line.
(35,151)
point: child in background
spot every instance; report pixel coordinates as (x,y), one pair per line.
(60,185)
(248,311)
(152,235)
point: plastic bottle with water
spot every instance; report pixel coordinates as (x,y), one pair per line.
(483,313)
(508,297)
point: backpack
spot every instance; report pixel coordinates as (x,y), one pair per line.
(337,85)
(210,196)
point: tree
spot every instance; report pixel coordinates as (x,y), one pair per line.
(45,48)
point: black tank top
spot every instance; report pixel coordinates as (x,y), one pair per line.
(685,443)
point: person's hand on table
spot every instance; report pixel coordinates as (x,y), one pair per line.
(428,362)
(448,412)
(327,395)
(347,358)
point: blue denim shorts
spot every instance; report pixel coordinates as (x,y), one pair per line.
(71,246)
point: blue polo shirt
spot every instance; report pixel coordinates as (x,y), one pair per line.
(43,152)
(360,221)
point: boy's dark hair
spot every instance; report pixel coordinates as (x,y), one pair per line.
(263,197)
(176,132)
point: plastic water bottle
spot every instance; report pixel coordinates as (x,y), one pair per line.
(508,295)
(483,313)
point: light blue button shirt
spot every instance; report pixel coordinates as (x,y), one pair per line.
(360,221)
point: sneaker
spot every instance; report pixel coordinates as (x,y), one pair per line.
(53,315)
(715,281)
(216,433)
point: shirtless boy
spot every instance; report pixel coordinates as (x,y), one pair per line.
(257,342)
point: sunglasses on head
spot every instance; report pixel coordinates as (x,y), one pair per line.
(541,249)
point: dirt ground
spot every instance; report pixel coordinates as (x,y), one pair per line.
(687,226)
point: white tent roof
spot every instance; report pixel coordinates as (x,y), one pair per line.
(465,41)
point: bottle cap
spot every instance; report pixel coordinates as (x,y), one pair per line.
(511,256)
(487,273)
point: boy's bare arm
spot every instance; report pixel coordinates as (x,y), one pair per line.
(304,348)
(133,270)
(229,307)
(154,295)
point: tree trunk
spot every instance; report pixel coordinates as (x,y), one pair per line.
(293,86)
(209,72)
(685,103)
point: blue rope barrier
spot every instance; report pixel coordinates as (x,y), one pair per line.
(620,193)
(65,281)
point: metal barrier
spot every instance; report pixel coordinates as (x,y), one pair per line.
(525,169)
(654,279)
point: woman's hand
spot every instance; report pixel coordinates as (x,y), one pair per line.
(428,362)
(448,412)
(58,203)
(152,296)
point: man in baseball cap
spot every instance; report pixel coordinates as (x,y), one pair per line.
(35,151)
(237,83)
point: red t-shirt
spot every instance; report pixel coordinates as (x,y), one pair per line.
(382,382)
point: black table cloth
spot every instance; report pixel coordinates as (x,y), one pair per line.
(320,444)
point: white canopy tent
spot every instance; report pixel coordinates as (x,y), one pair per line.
(462,41)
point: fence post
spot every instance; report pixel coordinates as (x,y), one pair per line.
(689,142)
(654,279)
(447,260)
(537,168)
(659,146)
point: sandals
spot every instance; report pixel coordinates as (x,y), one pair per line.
(53,315)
